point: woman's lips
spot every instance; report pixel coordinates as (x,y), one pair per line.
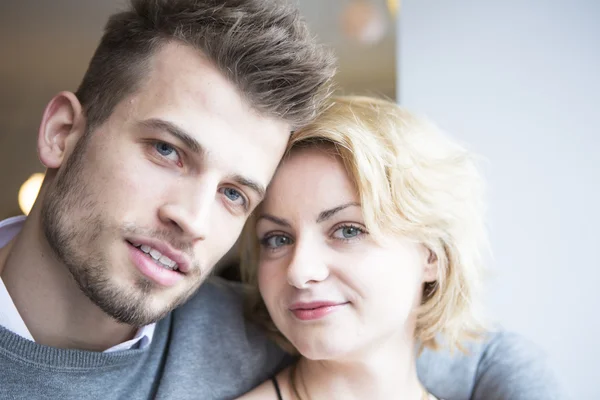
(315,310)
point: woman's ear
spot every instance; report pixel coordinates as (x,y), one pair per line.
(63,124)
(430,272)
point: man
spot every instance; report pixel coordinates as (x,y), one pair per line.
(153,167)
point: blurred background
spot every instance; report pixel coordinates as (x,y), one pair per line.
(517,81)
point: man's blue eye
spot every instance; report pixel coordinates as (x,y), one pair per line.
(232,194)
(164,149)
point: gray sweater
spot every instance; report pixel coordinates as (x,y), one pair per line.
(206,350)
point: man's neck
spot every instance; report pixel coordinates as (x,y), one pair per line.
(385,371)
(48,299)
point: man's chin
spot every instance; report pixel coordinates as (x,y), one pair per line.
(136,306)
(138,316)
(133,298)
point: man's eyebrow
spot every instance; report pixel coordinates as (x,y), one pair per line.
(176,131)
(325,215)
(250,184)
(196,147)
(278,221)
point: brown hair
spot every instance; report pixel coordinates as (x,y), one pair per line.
(262,46)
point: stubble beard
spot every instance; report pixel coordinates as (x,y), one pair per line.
(72,223)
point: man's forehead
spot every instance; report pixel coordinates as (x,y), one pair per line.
(198,100)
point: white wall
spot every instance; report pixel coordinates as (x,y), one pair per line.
(519,81)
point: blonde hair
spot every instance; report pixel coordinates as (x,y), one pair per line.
(412,181)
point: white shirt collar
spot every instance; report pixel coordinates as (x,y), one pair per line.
(11,319)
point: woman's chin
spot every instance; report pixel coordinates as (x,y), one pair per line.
(323,350)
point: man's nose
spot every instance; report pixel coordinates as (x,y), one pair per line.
(191,211)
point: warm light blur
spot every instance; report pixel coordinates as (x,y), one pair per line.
(364,22)
(29,191)
(393,6)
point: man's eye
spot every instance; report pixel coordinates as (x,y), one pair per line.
(276,241)
(234,196)
(166,150)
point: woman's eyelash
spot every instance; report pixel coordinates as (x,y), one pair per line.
(265,241)
(357,227)
(354,232)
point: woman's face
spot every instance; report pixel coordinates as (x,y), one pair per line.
(329,287)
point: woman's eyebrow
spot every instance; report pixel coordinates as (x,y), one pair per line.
(276,220)
(325,215)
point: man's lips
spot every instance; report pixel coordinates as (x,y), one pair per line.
(151,269)
(315,309)
(181,259)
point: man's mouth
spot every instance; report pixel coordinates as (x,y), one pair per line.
(157,257)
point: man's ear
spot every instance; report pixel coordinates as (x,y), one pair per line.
(430,272)
(63,124)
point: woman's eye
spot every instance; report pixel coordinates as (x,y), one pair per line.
(234,196)
(348,232)
(166,150)
(276,241)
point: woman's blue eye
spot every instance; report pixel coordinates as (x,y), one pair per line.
(347,232)
(276,241)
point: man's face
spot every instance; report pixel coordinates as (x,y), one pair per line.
(148,203)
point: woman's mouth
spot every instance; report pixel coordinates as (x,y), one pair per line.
(315,310)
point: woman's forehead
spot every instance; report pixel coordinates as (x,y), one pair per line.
(310,178)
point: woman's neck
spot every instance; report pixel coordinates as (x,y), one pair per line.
(383,371)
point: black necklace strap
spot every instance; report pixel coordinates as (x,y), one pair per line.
(274,380)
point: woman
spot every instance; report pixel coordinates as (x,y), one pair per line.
(366,248)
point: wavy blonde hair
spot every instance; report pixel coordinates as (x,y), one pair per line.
(412,181)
